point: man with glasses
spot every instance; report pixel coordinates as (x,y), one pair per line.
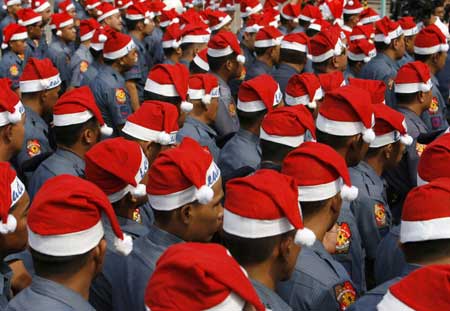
(35,44)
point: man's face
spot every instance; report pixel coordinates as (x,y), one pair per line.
(148,28)
(68,33)
(276,54)
(130,59)
(439,12)
(18,46)
(441,59)
(249,39)
(18,134)
(51,96)
(14,8)
(358,151)
(35,31)
(400,47)
(409,44)
(212,109)
(114,21)
(46,15)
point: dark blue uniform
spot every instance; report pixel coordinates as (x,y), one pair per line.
(443,77)
(153,44)
(91,73)
(8,19)
(139,71)
(405,59)
(11,66)
(38,50)
(79,64)
(282,75)
(256,69)
(226,121)
(436,116)
(269,298)
(60,54)
(249,56)
(5,285)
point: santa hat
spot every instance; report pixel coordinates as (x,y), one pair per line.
(172,37)
(310,12)
(39,6)
(254,23)
(319,25)
(27,17)
(227,6)
(191,16)
(201,60)
(262,205)
(424,289)
(376,88)
(137,12)
(154,121)
(331,80)
(250,7)
(271,17)
(267,37)
(105,163)
(413,77)
(65,6)
(430,40)
(92,4)
(11,189)
(195,33)
(156,7)
(259,94)
(59,21)
(353,7)
(65,218)
(11,108)
(287,126)
(420,222)
(225,43)
(78,106)
(272,4)
(387,30)
(39,75)
(368,16)
(325,45)
(362,32)
(13,32)
(303,89)
(319,172)
(295,41)
(123,4)
(8,3)
(99,38)
(199,276)
(332,9)
(203,86)
(433,162)
(170,81)
(342,113)
(168,17)
(361,51)
(291,11)
(408,25)
(182,175)
(117,45)
(442,27)
(87,29)
(218,19)
(105,10)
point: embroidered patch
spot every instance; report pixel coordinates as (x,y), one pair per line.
(137,216)
(390,84)
(434,107)
(121,96)
(380,215)
(33,147)
(232,109)
(343,238)
(420,149)
(84,65)
(345,295)
(14,70)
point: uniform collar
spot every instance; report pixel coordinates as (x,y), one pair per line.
(132,227)
(409,267)
(201,125)
(222,82)
(388,60)
(262,64)
(365,168)
(33,116)
(112,71)
(320,250)
(288,68)
(73,157)
(435,81)
(247,135)
(161,237)
(5,280)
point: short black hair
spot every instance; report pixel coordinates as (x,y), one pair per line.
(248,251)
(318,66)
(406,98)
(422,58)
(176,100)
(215,63)
(109,62)
(261,51)
(194,68)
(273,151)
(310,209)
(347,17)
(70,134)
(292,56)
(381,46)
(131,24)
(186,46)
(247,119)
(353,63)
(303,23)
(163,217)
(168,52)
(96,54)
(334,141)
(426,250)
(311,32)
(373,152)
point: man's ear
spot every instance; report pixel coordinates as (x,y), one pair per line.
(98,255)
(88,136)
(334,62)
(186,213)
(285,247)
(7,133)
(387,151)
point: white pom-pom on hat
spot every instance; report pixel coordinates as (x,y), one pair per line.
(106,130)
(186,106)
(350,2)
(248,9)
(58,33)
(4,45)
(241,59)
(10,226)
(368,135)
(204,195)
(206,99)
(367,59)
(163,138)
(4,7)
(15,117)
(387,40)
(124,246)
(102,38)
(139,191)
(99,12)
(349,193)
(305,237)
(406,140)
(312,105)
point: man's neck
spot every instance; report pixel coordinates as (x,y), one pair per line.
(390,53)
(376,163)
(116,66)
(77,282)
(137,34)
(254,128)
(316,224)
(5,153)
(297,67)
(433,69)
(201,117)
(416,108)
(266,60)
(78,149)
(174,58)
(86,43)
(33,103)
(263,273)
(223,74)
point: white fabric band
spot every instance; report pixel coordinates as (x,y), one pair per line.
(71,118)
(161,89)
(305,18)
(407,88)
(201,63)
(353,11)
(97,46)
(29,22)
(291,141)
(357,37)
(107,14)
(42,7)
(64,24)
(134,17)
(222,23)
(362,57)
(220,52)
(232,302)
(199,94)
(121,52)
(17,190)
(319,192)
(5,115)
(195,39)
(338,128)
(30,86)
(146,134)
(171,44)
(330,53)
(433,229)
(411,32)
(431,50)
(87,36)
(293,101)
(293,46)
(370,19)
(385,139)
(250,11)
(391,35)
(92,6)
(391,303)
(268,43)
(19,36)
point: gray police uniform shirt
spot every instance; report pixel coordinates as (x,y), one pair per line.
(436,116)
(153,44)
(61,162)
(318,283)
(60,54)
(5,285)
(241,150)
(44,294)
(11,66)
(382,68)
(202,133)
(91,73)
(282,75)
(139,71)
(405,59)
(79,64)
(269,298)
(112,97)
(370,208)
(372,298)
(226,121)
(256,69)
(348,73)
(38,50)
(390,260)
(249,56)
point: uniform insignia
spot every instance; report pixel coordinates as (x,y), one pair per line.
(14,70)
(33,147)
(343,238)
(345,295)
(434,107)
(232,109)
(380,215)
(390,84)
(420,149)
(121,96)
(84,65)
(137,216)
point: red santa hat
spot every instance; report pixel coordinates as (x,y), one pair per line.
(424,289)
(227,6)
(413,77)
(361,51)
(170,81)
(105,163)
(99,38)
(78,106)
(353,7)
(332,9)
(430,40)
(117,45)
(191,16)
(303,89)
(59,21)
(291,11)
(368,16)
(433,162)
(11,108)
(203,86)
(225,43)
(156,7)
(201,59)
(250,7)
(319,172)
(154,121)
(8,3)
(199,276)
(39,75)
(271,17)
(11,189)
(310,12)
(342,113)
(105,10)
(92,4)
(168,17)
(27,17)
(287,126)
(39,6)
(13,32)
(376,88)
(182,175)
(195,33)
(139,11)
(295,41)
(259,94)
(408,25)
(65,6)
(80,229)
(272,4)
(262,205)
(319,25)
(267,37)
(254,23)
(87,29)
(325,45)
(420,222)
(172,37)
(362,32)
(331,81)
(218,19)
(387,30)
(123,4)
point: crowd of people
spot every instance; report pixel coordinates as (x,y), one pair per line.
(165,156)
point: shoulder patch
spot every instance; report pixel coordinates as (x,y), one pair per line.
(137,215)
(380,215)
(420,148)
(121,96)
(232,109)
(84,65)
(434,107)
(344,235)
(33,147)
(14,70)
(345,295)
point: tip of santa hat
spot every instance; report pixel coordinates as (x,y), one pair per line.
(4,46)
(10,225)
(305,237)
(368,135)
(15,117)
(204,195)
(186,106)
(124,246)
(349,193)
(106,130)
(139,191)
(406,140)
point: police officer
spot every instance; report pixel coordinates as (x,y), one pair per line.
(36,43)
(12,6)
(96,45)
(410,31)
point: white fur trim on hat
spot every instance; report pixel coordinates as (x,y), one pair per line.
(232,302)
(107,14)
(362,57)
(146,134)
(391,303)
(385,139)
(200,94)
(19,36)
(31,86)
(336,51)
(87,36)
(121,52)
(41,8)
(268,42)
(195,39)
(291,141)
(390,36)
(249,11)
(71,118)
(319,192)
(201,63)
(168,90)
(407,88)
(7,117)
(411,31)
(31,21)
(431,50)
(294,46)
(339,128)
(174,44)
(220,52)
(370,19)
(424,230)
(222,23)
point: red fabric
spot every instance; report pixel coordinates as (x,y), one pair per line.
(434,160)
(413,72)
(156,115)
